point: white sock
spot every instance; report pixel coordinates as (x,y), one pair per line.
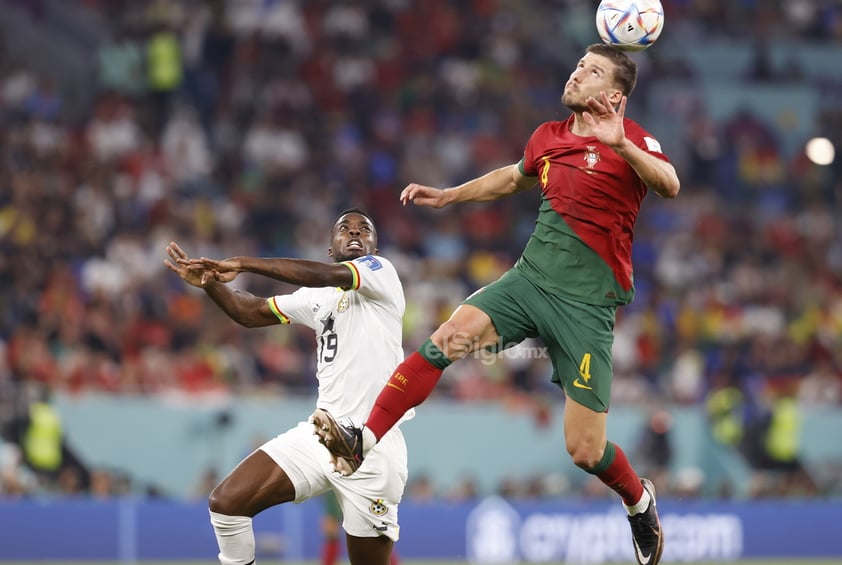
(235,537)
(641,505)
(369,440)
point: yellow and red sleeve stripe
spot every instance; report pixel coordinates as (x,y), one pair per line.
(273,306)
(355,273)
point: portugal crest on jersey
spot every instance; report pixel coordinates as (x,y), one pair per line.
(591,156)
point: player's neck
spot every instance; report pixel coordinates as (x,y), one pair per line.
(579,127)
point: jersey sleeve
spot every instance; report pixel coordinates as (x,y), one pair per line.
(376,278)
(295,308)
(529,165)
(644,140)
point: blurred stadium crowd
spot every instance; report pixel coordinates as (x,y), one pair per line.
(242,127)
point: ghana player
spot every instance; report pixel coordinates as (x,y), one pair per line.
(331,520)
(355,305)
(593,169)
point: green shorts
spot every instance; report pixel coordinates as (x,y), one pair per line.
(578,336)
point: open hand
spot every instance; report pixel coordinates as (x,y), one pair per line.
(188,269)
(604,121)
(224,270)
(421,195)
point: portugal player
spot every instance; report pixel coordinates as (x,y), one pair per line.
(593,169)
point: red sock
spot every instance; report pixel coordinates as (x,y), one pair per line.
(394,559)
(330,551)
(410,384)
(621,478)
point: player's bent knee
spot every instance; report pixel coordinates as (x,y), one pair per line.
(221,501)
(584,456)
(216,502)
(454,340)
(445,333)
(585,462)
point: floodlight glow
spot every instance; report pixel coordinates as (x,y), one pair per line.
(820,151)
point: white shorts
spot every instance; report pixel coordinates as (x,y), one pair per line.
(369,498)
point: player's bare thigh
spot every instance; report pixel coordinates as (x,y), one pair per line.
(467,330)
(254,485)
(370,551)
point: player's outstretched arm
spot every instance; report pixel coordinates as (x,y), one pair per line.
(299,272)
(499,183)
(243,307)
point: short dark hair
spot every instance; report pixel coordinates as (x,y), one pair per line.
(625,69)
(359,211)
(356,211)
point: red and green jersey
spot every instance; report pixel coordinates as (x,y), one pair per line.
(590,198)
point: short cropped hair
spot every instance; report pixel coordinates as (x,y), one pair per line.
(356,211)
(625,69)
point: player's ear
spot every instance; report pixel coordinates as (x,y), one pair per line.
(614,96)
(330,252)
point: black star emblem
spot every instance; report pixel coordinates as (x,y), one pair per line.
(327,324)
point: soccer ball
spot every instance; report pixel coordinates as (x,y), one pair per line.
(630,25)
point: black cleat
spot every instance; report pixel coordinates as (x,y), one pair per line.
(646,531)
(345,443)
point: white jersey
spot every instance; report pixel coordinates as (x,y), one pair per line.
(358,333)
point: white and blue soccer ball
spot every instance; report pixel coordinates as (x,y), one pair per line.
(630,25)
